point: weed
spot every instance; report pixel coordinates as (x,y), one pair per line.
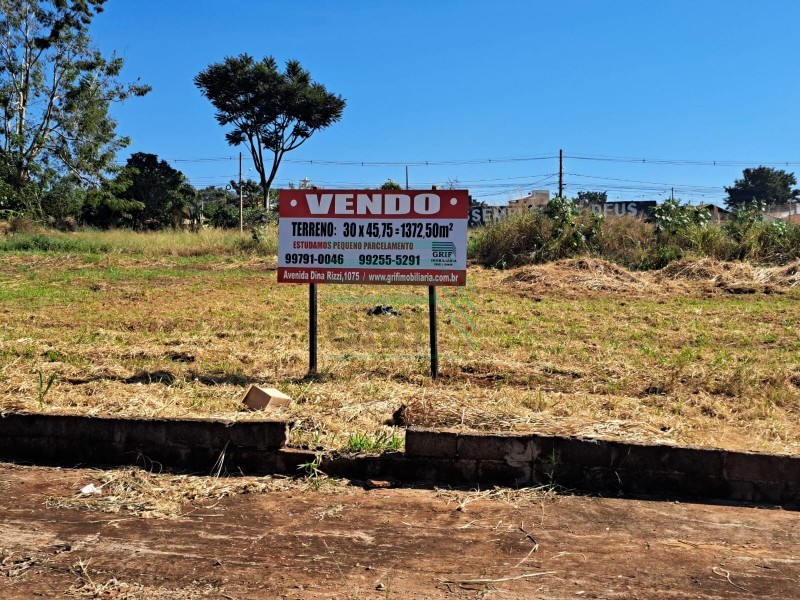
(44,387)
(380,442)
(313,474)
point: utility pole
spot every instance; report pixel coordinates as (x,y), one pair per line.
(672,195)
(406,176)
(241,197)
(561,173)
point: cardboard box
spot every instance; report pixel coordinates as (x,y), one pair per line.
(258,398)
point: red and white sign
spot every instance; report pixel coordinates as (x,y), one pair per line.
(410,237)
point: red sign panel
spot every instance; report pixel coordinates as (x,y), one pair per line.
(411,237)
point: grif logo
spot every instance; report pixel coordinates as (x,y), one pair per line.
(443,249)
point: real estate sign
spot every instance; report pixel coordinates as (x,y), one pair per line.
(410,237)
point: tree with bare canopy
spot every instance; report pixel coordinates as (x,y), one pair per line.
(268,109)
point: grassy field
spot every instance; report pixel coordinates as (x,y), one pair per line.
(177,324)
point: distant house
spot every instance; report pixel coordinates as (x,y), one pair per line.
(536,200)
(716,214)
(783,211)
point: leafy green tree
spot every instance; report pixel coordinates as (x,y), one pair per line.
(185,204)
(55,94)
(390,184)
(222,216)
(268,110)
(763,185)
(16,201)
(587,198)
(252,193)
(63,199)
(106,205)
(473,203)
(163,191)
(212,195)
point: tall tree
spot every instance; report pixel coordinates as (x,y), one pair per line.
(252,193)
(763,185)
(55,92)
(587,198)
(106,205)
(163,191)
(269,110)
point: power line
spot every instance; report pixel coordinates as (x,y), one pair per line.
(664,161)
(511,159)
(419,163)
(659,183)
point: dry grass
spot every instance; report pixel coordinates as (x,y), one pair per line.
(578,346)
(149,495)
(94,585)
(514,497)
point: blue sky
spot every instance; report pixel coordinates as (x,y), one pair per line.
(451,81)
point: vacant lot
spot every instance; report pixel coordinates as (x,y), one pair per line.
(700,353)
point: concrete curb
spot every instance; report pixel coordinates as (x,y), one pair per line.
(180,444)
(610,467)
(431,456)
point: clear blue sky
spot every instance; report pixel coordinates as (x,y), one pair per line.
(715,80)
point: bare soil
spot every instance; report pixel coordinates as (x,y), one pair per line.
(343,541)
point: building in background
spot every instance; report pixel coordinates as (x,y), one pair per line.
(536,200)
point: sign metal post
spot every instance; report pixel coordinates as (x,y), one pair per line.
(433,331)
(369,237)
(312,329)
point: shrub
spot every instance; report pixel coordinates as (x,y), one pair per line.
(534,237)
(673,218)
(516,241)
(51,243)
(222,216)
(255,217)
(572,233)
(711,241)
(628,241)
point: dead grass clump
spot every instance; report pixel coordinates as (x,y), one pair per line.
(578,275)
(708,269)
(111,588)
(597,266)
(733,277)
(516,498)
(786,276)
(160,496)
(430,413)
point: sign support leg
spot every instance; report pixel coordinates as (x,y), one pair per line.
(312,329)
(434,333)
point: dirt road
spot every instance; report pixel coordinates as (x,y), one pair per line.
(343,541)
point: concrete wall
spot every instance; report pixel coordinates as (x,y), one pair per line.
(444,456)
(184,444)
(609,467)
